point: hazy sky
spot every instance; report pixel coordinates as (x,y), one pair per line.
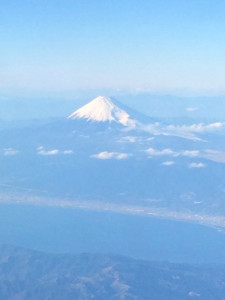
(150,45)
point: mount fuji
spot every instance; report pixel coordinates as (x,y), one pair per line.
(108,110)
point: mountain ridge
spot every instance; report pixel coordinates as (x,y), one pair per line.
(27,274)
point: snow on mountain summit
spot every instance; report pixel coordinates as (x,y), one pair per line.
(102,109)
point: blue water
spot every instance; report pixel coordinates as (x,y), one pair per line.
(74,231)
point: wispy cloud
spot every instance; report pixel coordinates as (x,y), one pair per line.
(184,131)
(42,151)
(10,152)
(168,163)
(154,152)
(214,155)
(48,152)
(192,109)
(190,131)
(196,165)
(170,152)
(130,139)
(67,151)
(40,148)
(110,155)
(190,153)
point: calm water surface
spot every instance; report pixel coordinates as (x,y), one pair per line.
(74,231)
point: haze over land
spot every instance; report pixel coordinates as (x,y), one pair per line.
(109,153)
(112,144)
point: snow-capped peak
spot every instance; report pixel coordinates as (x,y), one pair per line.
(102,109)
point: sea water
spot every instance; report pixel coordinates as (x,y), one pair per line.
(66,230)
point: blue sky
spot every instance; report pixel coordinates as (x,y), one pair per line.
(133,45)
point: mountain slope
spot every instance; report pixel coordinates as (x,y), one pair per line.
(26,274)
(102,109)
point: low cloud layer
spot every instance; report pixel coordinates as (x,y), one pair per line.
(155,152)
(67,151)
(168,163)
(130,139)
(184,131)
(170,152)
(190,109)
(196,165)
(214,155)
(210,154)
(198,128)
(48,152)
(10,152)
(110,155)
(42,151)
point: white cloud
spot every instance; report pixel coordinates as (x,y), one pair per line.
(67,151)
(196,128)
(49,152)
(110,155)
(121,155)
(170,152)
(210,154)
(190,153)
(180,131)
(10,151)
(190,131)
(214,155)
(196,165)
(104,155)
(184,131)
(41,151)
(40,148)
(203,128)
(154,152)
(192,109)
(154,129)
(130,139)
(194,294)
(168,163)
(150,138)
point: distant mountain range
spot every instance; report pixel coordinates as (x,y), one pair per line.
(26,275)
(186,109)
(109,153)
